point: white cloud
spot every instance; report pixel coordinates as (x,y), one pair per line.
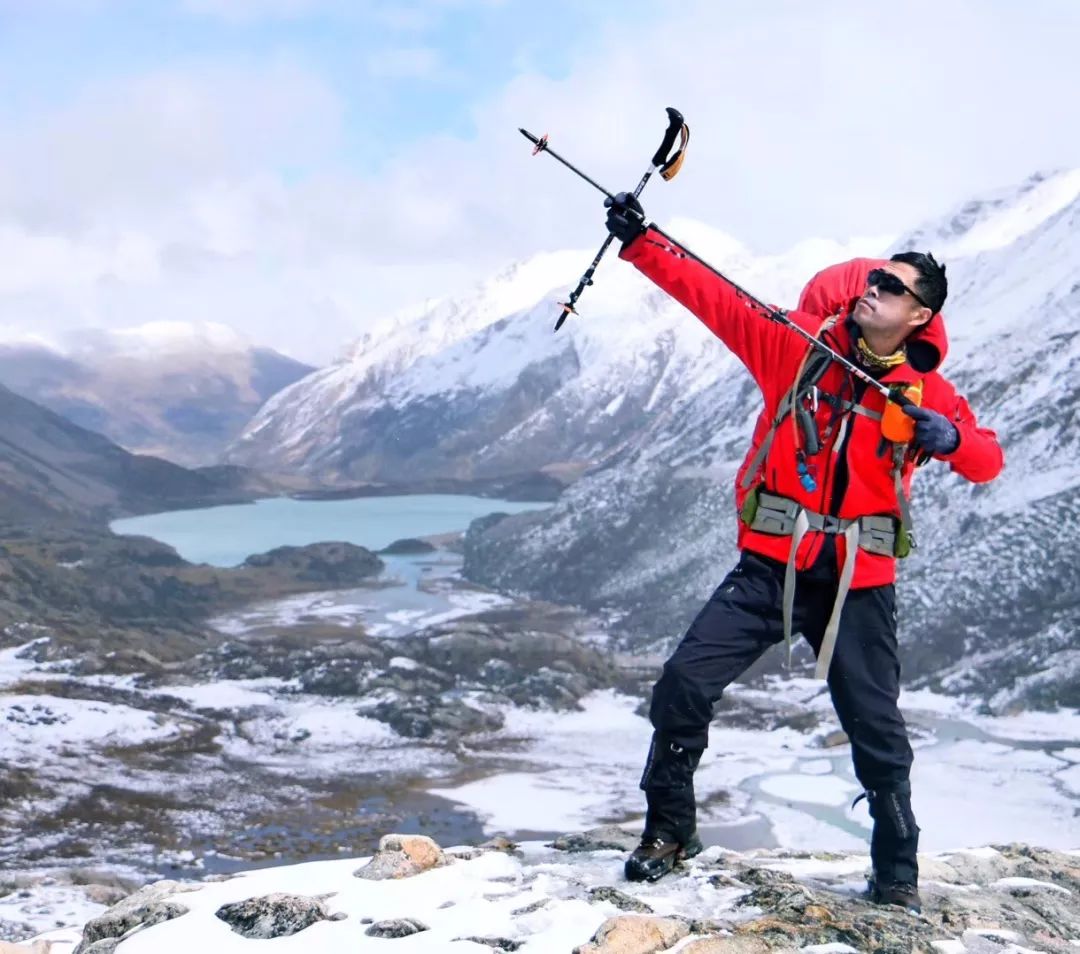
(161,197)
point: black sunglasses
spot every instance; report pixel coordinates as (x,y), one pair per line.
(891,284)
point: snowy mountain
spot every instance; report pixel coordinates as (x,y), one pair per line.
(179,390)
(480,386)
(990,604)
(639,398)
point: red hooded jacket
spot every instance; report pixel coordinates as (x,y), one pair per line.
(853,469)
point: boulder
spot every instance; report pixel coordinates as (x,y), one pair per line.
(402,856)
(273,915)
(635,934)
(396,927)
(147,906)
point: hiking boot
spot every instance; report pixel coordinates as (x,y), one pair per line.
(904,895)
(655,857)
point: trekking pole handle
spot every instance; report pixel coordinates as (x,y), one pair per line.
(675,125)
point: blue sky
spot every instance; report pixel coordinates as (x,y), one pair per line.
(403,71)
(278,164)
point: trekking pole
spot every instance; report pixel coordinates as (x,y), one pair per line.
(779,316)
(667,166)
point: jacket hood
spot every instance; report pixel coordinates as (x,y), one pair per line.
(928,345)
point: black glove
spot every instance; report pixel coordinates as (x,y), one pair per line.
(934,434)
(625,218)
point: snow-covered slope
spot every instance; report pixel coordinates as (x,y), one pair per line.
(179,390)
(481,386)
(990,601)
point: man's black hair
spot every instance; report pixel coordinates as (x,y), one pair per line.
(932,285)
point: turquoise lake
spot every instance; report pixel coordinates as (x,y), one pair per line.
(226,536)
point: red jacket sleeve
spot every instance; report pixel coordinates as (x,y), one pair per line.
(832,289)
(979,456)
(761,344)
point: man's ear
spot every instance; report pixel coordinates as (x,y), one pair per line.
(923,317)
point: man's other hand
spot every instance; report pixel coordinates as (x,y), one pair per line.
(934,434)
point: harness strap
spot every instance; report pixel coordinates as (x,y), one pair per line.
(812,369)
(859,409)
(802,525)
(828,641)
(899,452)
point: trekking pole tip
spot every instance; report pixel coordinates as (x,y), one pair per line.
(567,310)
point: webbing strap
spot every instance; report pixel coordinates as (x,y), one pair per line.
(762,452)
(828,641)
(811,370)
(864,411)
(899,450)
(802,525)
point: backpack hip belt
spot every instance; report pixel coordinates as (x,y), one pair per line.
(781,516)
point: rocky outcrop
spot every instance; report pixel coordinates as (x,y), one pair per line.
(1010,898)
(447,681)
(407,546)
(327,564)
(605,838)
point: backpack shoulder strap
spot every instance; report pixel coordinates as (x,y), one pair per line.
(811,370)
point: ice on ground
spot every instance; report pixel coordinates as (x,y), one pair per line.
(1062,725)
(605,744)
(231,693)
(49,905)
(325,606)
(1070,778)
(802,831)
(316,737)
(464,603)
(966,792)
(12,667)
(819,789)
(37,723)
(976,793)
(530,801)
(1019,882)
(816,767)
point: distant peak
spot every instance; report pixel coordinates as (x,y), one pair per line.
(997,218)
(157,337)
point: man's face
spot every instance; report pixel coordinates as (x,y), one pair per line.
(889,313)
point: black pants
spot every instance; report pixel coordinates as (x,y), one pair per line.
(741,620)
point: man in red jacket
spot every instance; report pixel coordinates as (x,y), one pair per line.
(822,497)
